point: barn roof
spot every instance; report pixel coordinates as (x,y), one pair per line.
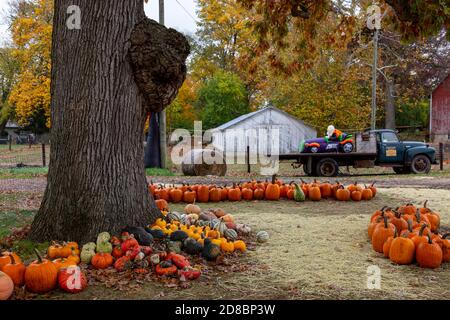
(441,82)
(11,125)
(252,114)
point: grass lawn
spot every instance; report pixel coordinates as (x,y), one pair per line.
(316,251)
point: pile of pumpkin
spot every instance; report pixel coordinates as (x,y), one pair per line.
(409,234)
(162,248)
(256,190)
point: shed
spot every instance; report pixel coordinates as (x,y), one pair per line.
(440,112)
(257,130)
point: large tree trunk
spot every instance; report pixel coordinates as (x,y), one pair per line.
(390,106)
(105,78)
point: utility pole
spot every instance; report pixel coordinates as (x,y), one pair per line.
(374,79)
(162,114)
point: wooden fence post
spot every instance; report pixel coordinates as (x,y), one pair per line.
(43,155)
(10,142)
(247,159)
(441,156)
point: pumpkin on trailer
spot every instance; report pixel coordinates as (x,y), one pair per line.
(6,286)
(272,191)
(429,254)
(15,270)
(41,276)
(102,261)
(381,233)
(72,279)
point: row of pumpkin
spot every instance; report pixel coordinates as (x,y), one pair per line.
(256,190)
(409,234)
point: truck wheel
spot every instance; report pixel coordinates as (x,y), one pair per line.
(402,170)
(327,168)
(420,164)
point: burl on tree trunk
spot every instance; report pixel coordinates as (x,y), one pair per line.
(106,77)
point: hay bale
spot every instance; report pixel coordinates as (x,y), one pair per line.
(194,164)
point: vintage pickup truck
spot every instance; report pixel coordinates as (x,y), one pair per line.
(372,148)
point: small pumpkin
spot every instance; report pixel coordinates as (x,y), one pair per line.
(15,270)
(192,209)
(228,218)
(342,194)
(41,276)
(6,286)
(243,229)
(381,233)
(262,236)
(72,279)
(227,246)
(102,261)
(5,258)
(162,205)
(166,269)
(63,263)
(272,192)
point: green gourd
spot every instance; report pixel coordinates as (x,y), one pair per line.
(299,195)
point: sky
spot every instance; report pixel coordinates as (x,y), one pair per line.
(176,17)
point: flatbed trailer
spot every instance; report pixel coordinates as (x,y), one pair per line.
(372,148)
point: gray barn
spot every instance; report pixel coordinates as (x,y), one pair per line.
(256,128)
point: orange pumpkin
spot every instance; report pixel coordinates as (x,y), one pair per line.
(314,193)
(342,194)
(15,270)
(203,193)
(214,195)
(162,205)
(234,194)
(381,233)
(176,195)
(272,191)
(247,194)
(189,196)
(5,258)
(41,275)
(326,190)
(102,260)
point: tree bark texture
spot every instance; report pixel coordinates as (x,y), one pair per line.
(105,78)
(390,106)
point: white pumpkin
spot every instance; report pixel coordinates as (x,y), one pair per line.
(262,236)
(6,286)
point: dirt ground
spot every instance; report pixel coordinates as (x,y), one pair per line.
(316,251)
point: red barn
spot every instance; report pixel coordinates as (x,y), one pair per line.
(440,112)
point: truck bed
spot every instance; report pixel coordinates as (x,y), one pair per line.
(353,155)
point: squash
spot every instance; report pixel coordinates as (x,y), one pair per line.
(234,194)
(262,236)
(192,209)
(299,195)
(15,270)
(87,252)
(176,195)
(6,286)
(243,229)
(240,245)
(228,218)
(189,196)
(247,194)
(230,234)
(41,276)
(72,279)
(227,247)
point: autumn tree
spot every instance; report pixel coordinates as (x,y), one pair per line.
(106,77)
(8,74)
(31,28)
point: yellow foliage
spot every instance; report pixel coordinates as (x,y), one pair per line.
(32,38)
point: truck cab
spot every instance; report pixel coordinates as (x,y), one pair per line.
(404,156)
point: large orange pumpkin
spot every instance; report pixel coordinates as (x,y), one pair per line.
(429,254)
(247,194)
(203,193)
(381,233)
(315,194)
(176,195)
(41,275)
(16,271)
(234,194)
(272,191)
